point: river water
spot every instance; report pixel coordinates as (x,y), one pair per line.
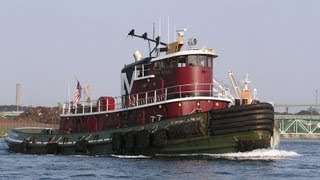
(293,159)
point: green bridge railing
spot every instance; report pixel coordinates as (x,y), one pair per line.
(298,124)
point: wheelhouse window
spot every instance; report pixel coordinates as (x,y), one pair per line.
(182,61)
(173,62)
(193,60)
(199,61)
(158,65)
(209,61)
(166,63)
(139,71)
(203,61)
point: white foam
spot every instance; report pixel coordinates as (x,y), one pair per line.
(275,139)
(130,157)
(258,154)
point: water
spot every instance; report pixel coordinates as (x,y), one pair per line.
(294,159)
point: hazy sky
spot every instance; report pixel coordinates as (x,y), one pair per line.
(45,44)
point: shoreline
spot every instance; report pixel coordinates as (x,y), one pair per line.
(300,136)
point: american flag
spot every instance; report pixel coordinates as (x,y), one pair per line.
(77,95)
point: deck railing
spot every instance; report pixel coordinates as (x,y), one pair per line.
(140,99)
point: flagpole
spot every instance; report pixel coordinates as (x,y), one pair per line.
(78,90)
(76,78)
(69,98)
(69,95)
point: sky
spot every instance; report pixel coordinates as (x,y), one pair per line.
(44,45)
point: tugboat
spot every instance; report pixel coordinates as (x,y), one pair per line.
(168,105)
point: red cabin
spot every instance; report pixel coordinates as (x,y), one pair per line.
(154,88)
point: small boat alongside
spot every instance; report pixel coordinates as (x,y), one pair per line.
(168,105)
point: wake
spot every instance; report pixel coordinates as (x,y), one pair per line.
(130,156)
(258,154)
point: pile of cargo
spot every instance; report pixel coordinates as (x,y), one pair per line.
(50,115)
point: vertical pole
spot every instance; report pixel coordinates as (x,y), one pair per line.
(136,100)
(69,96)
(63,108)
(160,27)
(153,30)
(165,93)
(98,105)
(135,72)
(310,126)
(18,96)
(168,30)
(142,70)
(107,108)
(316,96)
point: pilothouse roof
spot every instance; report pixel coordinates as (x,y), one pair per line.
(187,52)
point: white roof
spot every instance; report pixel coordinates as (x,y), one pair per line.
(203,51)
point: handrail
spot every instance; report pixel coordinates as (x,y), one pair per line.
(138,99)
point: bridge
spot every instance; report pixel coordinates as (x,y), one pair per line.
(298,126)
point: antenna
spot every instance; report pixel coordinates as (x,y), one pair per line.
(316,96)
(69,96)
(145,37)
(153,30)
(159,27)
(174,31)
(246,81)
(168,30)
